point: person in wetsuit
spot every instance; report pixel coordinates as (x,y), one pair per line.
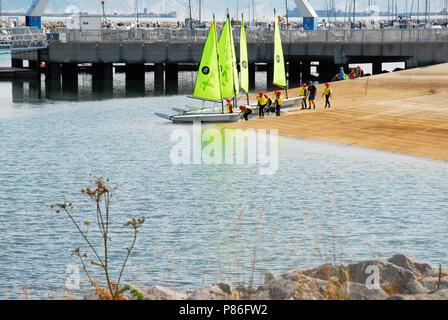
(312,91)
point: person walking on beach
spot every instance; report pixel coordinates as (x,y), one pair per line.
(261,103)
(327,93)
(304,93)
(246,111)
(312,91)
(278,102)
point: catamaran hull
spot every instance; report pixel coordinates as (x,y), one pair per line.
(216,117)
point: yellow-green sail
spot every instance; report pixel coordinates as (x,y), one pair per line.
(236,82)
(244,62)
(208,82)
(226,59)
(279,60)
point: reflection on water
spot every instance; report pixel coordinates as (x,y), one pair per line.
(87,89)
(53,135)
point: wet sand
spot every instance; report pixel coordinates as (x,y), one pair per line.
(403,112)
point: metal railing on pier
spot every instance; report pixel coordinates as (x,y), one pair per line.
(22,39)
(254,36)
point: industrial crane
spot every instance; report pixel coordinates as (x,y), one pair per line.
(309,15)
(33,16)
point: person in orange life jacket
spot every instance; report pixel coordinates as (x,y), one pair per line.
(278,102)
(262,101)
(229,106)
(304,93)
(327,93)
(246,111)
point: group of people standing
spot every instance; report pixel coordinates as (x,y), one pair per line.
(310,91)
(265,105)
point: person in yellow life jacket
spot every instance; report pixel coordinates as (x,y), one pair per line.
(229,106)
(304,93)
(262,101)
(278,102)
(268,104)
(327,93)
(246,111)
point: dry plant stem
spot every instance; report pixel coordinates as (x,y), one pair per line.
(254,259)
(101,196)
(127,256)
(85,237)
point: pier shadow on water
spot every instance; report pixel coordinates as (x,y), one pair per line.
(85,88)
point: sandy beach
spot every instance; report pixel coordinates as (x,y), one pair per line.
(404,112)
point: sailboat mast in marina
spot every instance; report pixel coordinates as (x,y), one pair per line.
(244,62)
(208,82)
(279,59)
(227,59)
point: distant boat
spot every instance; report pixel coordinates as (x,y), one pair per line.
(172,14)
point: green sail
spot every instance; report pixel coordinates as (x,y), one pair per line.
(226,60)
(236,82)
(244,62)
(279,60)
(208,80)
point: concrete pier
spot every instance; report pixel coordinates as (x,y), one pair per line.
(171,78)
(293,72)
(181,52)
(252,71)
(158,78)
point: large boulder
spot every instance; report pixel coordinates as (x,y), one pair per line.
(415,287)
(162,293)
(418,268)
(357,291)
(438,295)
(394,274)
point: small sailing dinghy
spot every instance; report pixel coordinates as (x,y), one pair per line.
(208,86)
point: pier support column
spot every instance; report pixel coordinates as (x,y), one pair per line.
(171,77)
(252,71)
(33,64)
(158,78)
(35,90)
(270,76)
(53,71)
(305,69)
(102,80)
(16,63)
(377,67)
(327,69)
(135,79)
(17,91)
(294,73)
(69,73)
(53,81)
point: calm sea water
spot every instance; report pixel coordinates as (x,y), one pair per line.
(375,203)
